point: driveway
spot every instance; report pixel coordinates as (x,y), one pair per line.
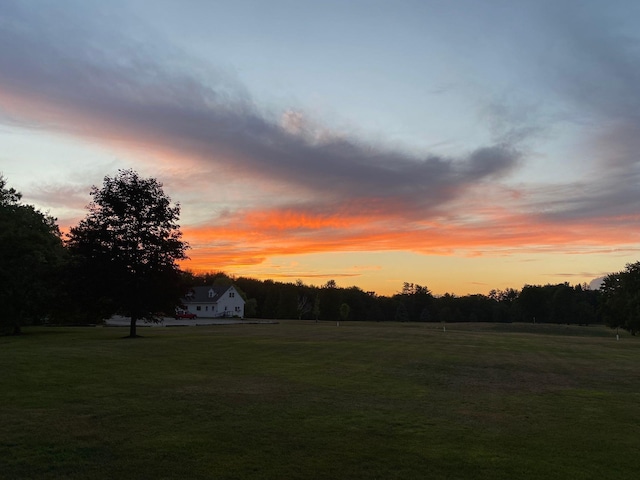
(118,321)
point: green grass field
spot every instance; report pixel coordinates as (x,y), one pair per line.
(300,400)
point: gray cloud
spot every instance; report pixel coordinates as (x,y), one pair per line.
(89,81)
(599,66)
(595,60)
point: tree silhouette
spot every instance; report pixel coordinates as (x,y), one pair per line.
(621,298)
(30,256)
(127,247)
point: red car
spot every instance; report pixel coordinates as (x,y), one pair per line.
(188,315)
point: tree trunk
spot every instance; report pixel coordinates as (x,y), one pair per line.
(132,327)
(17,330)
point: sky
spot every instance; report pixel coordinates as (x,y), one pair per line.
(463,145)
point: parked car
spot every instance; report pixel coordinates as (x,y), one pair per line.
(188,315)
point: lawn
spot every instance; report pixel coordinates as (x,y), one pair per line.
(305,400)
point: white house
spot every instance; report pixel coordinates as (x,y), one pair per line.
(214,301)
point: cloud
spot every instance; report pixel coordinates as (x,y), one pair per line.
(245,237)
(596,283)
(56,195)
(313,275)
(594,69)
(595,58)
(109,87)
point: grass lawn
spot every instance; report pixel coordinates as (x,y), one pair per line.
(300,400)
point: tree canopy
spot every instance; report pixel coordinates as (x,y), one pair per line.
(126,249)
(621,298)
(30,254)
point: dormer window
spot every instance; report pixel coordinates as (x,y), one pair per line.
(212,293)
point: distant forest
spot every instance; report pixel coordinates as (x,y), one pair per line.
(561,303)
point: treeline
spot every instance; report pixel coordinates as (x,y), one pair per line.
(561,303)
(121,259)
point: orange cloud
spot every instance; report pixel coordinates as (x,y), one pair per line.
(252,237)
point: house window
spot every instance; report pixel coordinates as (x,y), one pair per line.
(232,294)
(206,308)
(237,309)
(211,293)
(198,308)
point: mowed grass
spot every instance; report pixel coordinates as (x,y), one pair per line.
(300,400)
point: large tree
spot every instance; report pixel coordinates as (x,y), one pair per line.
(621,298)
(127,247)
(30,255)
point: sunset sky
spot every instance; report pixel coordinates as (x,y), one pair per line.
(464,145)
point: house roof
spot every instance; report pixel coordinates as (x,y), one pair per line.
(201,294)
